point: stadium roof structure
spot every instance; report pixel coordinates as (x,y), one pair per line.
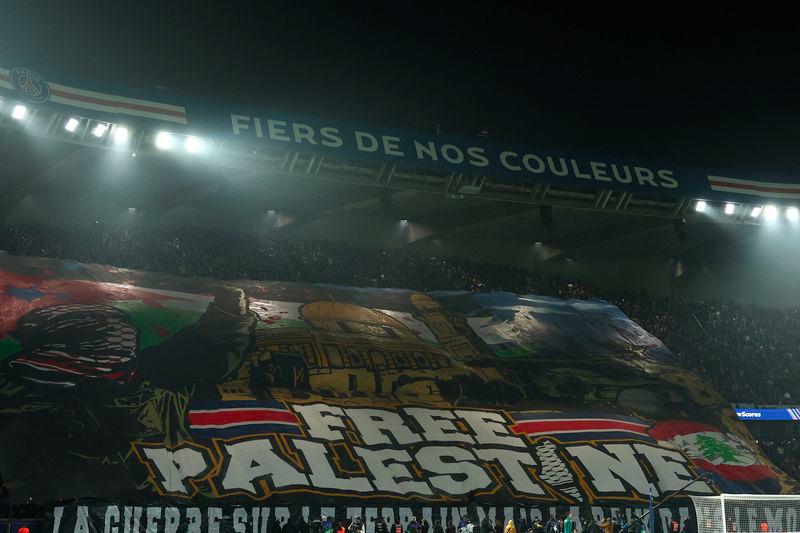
(111,153)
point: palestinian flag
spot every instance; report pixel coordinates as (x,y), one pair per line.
(60,332)
(732,462)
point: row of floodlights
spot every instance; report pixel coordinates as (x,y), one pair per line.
(99,130)
(191,144)
(769,212)
(163,140)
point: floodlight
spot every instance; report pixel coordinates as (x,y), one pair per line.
(72,124)
(193,145)
(100,129)
(770,213)
(164,140)
(121,135)
(19,112)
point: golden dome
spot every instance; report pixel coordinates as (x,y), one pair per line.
(423,301)
(348,312)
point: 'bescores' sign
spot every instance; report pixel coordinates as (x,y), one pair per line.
(418,453)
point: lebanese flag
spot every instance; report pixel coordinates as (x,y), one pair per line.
(724,454)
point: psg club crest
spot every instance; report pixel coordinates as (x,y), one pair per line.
(30,85)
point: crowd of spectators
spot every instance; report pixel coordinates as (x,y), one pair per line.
(784,450)
(743,350)
(232,255)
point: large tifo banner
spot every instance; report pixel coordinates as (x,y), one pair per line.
(138,387)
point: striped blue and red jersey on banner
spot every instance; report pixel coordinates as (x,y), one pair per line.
(234,418)
(571,427)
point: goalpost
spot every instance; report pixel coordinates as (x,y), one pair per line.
(747,513)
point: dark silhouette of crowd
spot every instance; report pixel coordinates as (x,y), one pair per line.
(232,255)
(784,450)
(745,351)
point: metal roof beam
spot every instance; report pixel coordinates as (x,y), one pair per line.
(573,242)
(343,204)
(448,222)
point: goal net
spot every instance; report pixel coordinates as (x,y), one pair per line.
(746,513)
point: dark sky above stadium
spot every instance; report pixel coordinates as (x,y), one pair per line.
(680,93)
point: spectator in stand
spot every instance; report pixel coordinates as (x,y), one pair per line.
(568,526)
(741,350)
(356,525)
(381,525)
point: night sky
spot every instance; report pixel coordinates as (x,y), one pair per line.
(681,93)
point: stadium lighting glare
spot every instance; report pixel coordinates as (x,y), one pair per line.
(729,209)
(72,124)
(793,214)
(756,211)
(770,213)
(121,135)
(193,145)
(100,129)
(19,112)
(164,140)
(700,206)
